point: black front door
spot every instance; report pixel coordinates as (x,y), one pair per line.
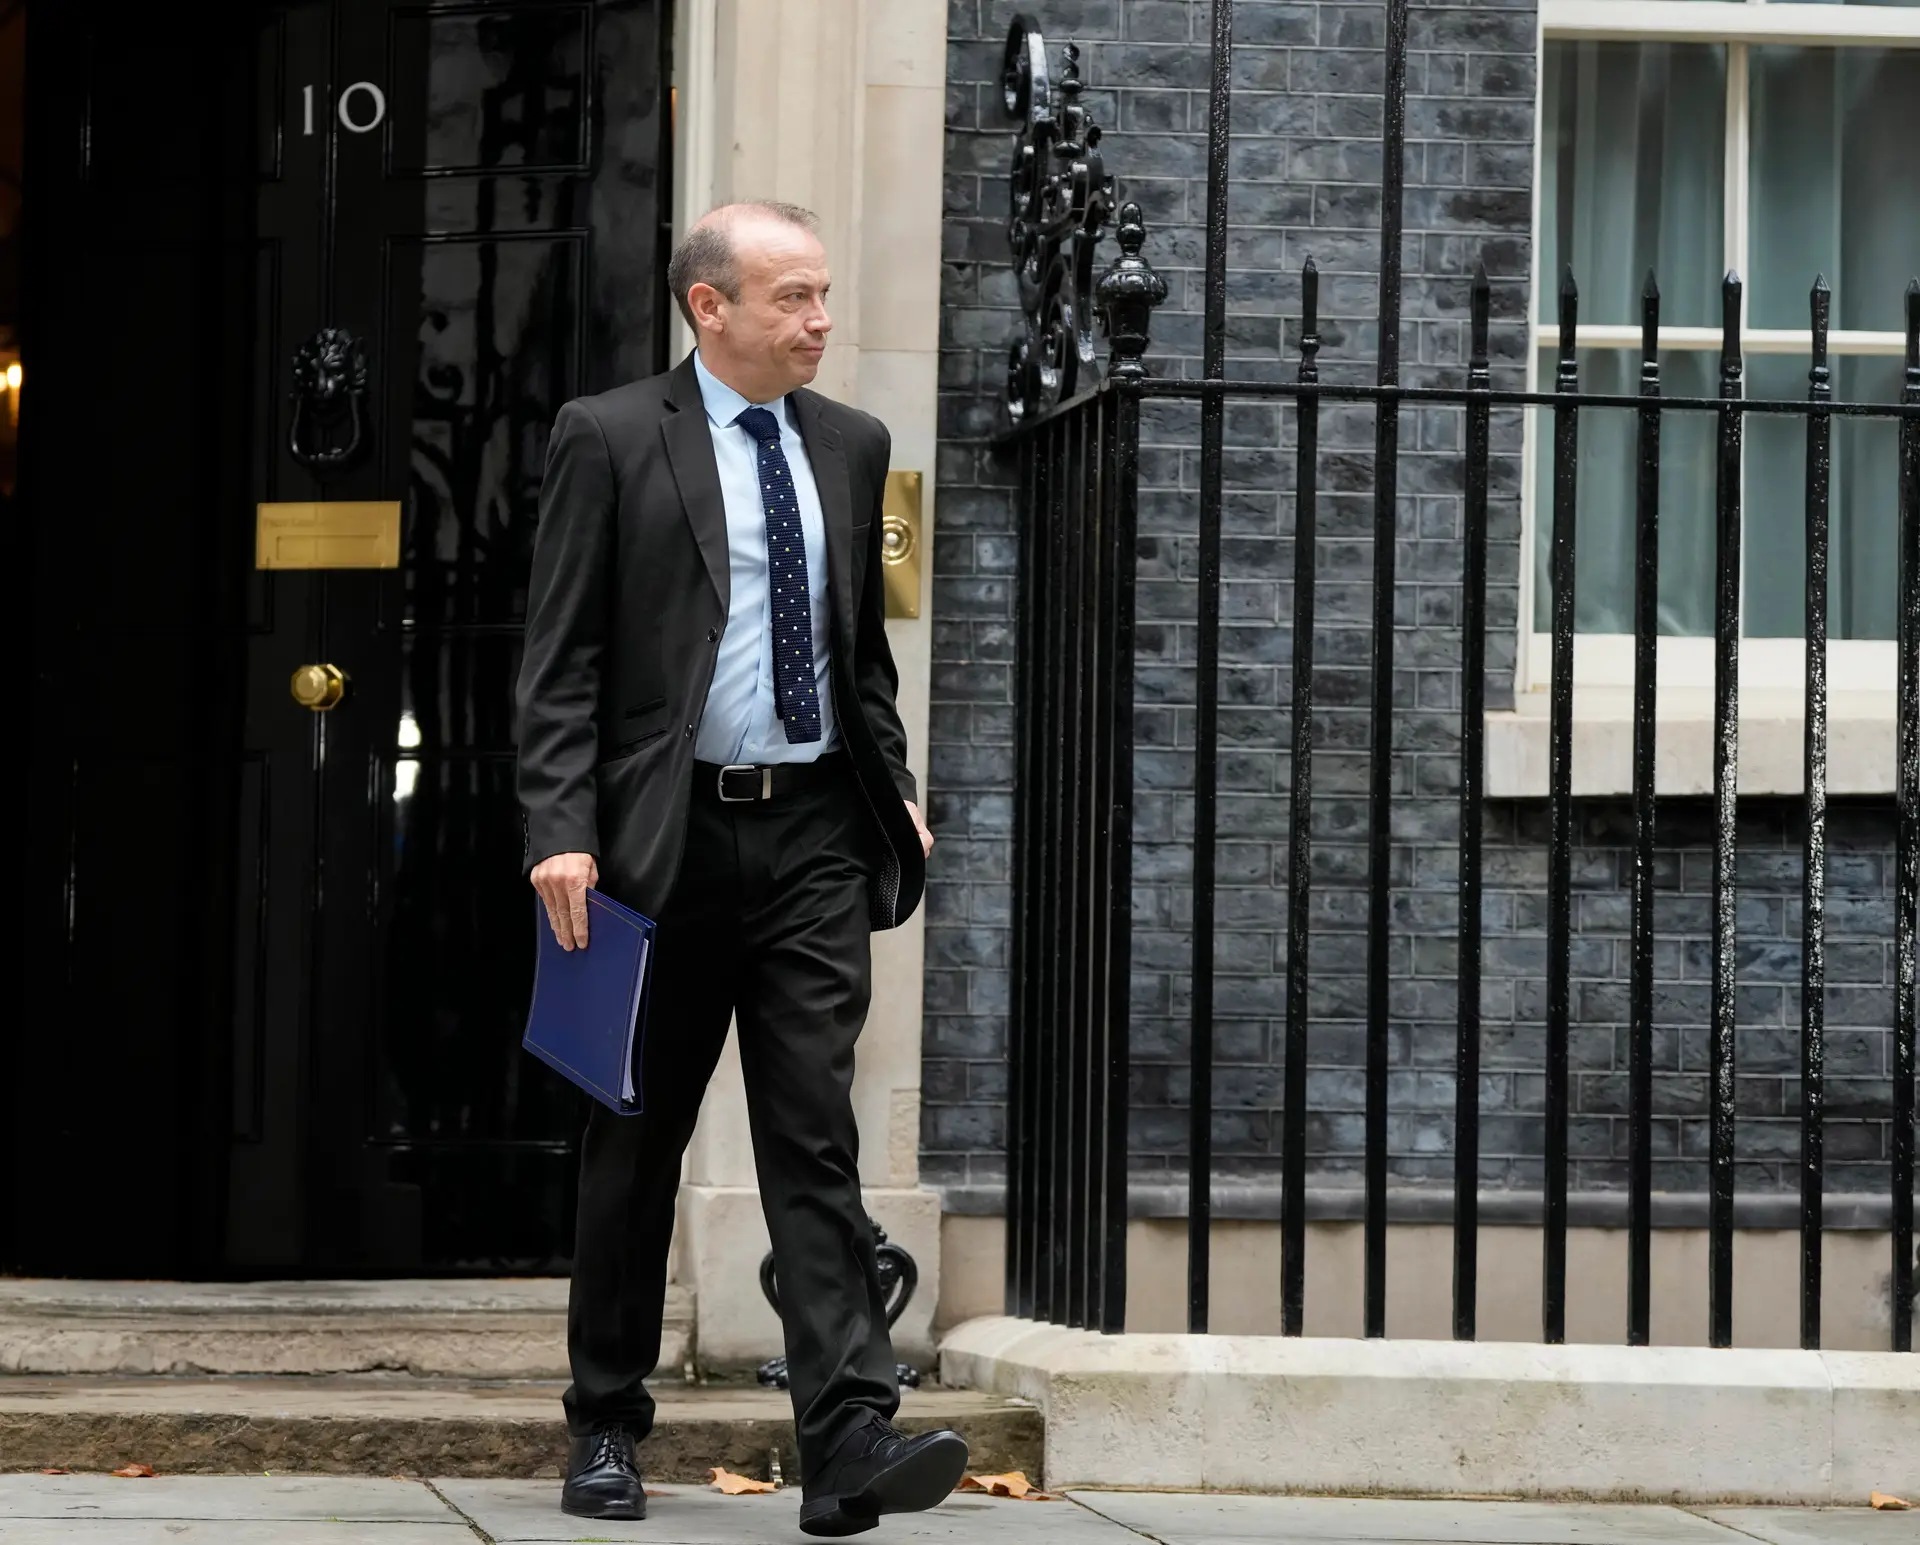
(473,194)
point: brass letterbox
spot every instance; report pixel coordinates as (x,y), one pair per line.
(328,534)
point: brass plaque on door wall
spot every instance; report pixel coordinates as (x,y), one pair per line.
(328,534)
(900,543)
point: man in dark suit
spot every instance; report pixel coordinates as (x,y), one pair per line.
(708,733)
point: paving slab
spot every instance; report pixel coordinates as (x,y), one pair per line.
(522,1512)
(155,1531)
(1822,1525)
(266,1498)
(1214,1519)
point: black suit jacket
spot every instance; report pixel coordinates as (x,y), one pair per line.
(626,606)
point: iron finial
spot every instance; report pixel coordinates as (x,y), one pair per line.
(1480,327)
(1479,331)
(1730,293)
(1309,320)
(1650,331)
(1567,376)
(1820,307)
(1127,293)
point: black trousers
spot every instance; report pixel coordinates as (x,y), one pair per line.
(769,923)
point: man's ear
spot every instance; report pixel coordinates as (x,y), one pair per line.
(704,301)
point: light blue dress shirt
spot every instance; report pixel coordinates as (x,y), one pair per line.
(740,724)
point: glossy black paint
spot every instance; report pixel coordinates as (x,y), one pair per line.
(354,1021)
(1726,773)
(1386,534)
(1293,1115)
(1078,477)
(1813,905)
(1566,473)
(1473,698)
(1646,677)
(1206,714)
(1906,916)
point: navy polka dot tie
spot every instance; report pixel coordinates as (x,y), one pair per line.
(795,693)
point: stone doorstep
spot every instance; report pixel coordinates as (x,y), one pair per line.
(1446,1418)
(395,1425)
(482,1328)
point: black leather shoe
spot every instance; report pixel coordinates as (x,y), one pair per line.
(602,1479)
(881,1470)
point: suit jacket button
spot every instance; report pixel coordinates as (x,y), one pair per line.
(689,732)
(712,634)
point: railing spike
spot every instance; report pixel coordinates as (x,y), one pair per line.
(1480,326)
(1730,294)
(1651,289)
(1568,288)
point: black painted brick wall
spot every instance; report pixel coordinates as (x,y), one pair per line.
(1305,169)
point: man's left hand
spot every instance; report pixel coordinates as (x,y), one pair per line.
(920,825)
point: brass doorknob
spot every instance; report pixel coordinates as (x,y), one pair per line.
(319,687)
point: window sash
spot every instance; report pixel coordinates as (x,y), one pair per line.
(1767,664)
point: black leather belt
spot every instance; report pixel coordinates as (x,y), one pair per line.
(745,783)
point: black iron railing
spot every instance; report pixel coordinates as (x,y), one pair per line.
(1077,445)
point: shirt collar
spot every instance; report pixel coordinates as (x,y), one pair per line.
(724,404)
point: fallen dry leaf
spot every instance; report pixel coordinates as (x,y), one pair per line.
(1888,1504)
(1013,1484)
(134,1472)
(729,1484)
(56,1472)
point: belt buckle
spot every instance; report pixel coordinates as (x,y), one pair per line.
(766,784)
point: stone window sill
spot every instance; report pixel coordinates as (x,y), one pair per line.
(1860,743)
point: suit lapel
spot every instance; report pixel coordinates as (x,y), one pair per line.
(829,460)
(690,453)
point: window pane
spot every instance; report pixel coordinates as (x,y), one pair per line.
(1633,171)
(1833,183)
(1609,447)
(1863,496)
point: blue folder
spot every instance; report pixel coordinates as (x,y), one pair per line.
(588,1020)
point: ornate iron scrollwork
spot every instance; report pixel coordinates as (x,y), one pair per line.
(329,388)
(899,1276)
(1061,199)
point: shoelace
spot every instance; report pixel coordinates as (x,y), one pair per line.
(610,1449)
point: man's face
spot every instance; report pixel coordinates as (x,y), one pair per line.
(773,337)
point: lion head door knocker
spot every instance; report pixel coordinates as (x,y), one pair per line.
(899,1276)
(329,400)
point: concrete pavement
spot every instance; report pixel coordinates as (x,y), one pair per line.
(296,1510)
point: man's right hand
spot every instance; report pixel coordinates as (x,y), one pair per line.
(562,882)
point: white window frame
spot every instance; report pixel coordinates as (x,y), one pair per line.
(1774,666)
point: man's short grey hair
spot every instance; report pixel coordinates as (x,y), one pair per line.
(705,254)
